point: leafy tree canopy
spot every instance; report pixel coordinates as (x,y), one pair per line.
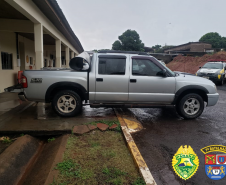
(156,47)
(215,39)
(128,41)
(96,51)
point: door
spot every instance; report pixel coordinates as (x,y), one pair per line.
(112,78)
(147,83)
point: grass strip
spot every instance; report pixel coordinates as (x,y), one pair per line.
(97,158)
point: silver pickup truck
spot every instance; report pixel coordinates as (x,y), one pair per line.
(117,79)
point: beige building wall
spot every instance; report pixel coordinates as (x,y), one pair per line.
(37,19)
(8,77)
(29,50)
(8,44)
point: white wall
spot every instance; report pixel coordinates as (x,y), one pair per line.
(8,44)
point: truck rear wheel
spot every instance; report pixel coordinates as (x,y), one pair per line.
(67,103)
(190,106)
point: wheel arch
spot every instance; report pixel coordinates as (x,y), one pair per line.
(59,86)
(202,91)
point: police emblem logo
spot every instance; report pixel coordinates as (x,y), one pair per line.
(215,163)
(185,162)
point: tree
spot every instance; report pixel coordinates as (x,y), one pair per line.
(128,41)
(223,42)
(213,38)
(161,48)
(156,47)
(96,51)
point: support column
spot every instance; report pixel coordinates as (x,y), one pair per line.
(38,34)
(67,56)
(58,53)
(72,54)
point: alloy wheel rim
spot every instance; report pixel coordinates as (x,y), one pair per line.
(66,103)
(191,106)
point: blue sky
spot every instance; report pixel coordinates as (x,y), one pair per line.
(98,23)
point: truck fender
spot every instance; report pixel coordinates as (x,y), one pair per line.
(187,89)
(65,85)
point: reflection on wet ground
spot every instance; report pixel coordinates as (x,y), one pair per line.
(8,105)
(8,101)
(41,119)
(165,131)
(45,111)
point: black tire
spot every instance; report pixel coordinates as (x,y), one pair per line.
(178,111)
(67,103)
(185,110)
(222,81)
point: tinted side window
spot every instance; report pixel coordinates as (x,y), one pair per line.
(145,68)
(111,66)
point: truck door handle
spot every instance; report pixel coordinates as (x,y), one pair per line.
(99,79)
(133,80)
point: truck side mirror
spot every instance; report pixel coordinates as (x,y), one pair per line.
(162,73)
(80,62)
(200,67)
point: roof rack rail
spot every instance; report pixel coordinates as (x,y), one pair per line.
(127,52)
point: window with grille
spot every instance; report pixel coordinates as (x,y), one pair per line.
(7,60)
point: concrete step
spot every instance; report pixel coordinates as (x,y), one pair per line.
(42,171)
(31,161)
(17,158)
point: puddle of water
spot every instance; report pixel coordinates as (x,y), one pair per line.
(6,106)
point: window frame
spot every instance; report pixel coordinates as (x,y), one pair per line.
(12,66)
(111,57)
(152,59)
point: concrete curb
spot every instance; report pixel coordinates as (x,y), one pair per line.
(58,158)
(16,159)
(42,171)
(143,168)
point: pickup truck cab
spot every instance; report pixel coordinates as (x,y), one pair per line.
(117,79)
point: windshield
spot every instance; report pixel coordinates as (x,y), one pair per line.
(213,66)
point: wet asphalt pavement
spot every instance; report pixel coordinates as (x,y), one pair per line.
(165,131)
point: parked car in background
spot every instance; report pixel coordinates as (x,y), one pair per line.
(214,71)
(183,73)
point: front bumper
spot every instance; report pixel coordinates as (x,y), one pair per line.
(213,78)
(212,99)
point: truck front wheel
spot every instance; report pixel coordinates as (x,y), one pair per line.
(67,103)
(190,106)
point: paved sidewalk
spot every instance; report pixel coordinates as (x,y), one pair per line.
(39,119)
(8,101)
